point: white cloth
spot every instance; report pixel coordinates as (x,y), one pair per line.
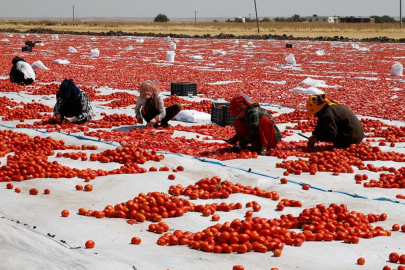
(26,68)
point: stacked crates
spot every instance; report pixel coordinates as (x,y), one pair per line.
(183,88)
(221,114)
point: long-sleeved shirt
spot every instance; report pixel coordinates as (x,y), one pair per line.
(252,118)
(79,108)
(339,125)
(26,68)
(159,106)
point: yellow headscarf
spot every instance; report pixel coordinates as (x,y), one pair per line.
(316,102)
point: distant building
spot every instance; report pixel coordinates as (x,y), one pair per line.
(240,19)
(352,19)
(323,19)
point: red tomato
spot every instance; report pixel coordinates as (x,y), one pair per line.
(305,187)
(171,176)
(47,191)
(238,267)
(9,186)
(394,257)
(387,267)
(361,261)
(90,244)
(136,240)
(395,227)
(403,228)
(64,213)
(215,217)
(283,181)
(33,191)
(402,259)
(17,190)
(277,252)
(88,187)
(79,187)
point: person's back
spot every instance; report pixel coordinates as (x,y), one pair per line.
(26,68)
(339,125)
(21,72)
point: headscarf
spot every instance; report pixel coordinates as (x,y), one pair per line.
(240,102)
(68,90)
(148,89)
(316,102)
(17,59)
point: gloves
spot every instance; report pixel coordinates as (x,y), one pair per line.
(139,119)
(232,140)
(243,144)
(151,123)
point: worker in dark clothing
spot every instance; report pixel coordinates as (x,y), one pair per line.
(21,72)
(254,125)
(336,123)
(72,104)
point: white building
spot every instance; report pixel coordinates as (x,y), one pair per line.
(240,19)
(324,19)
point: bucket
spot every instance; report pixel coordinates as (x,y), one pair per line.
(170,56)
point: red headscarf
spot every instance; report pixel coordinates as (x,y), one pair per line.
(240,102)
(148,88)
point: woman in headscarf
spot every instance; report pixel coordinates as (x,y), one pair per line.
(72,104)
(150,106)
(254,125)
(21,72)
(336,123)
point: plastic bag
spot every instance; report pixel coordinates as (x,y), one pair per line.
(218,52)
(95,53)
(139,40)
(39,65)
(72,49)
(193,116)
(309,91)
(61,62)
(195,57)
(170,56)
(320,52)
(55,37)
(397,69)
(290,59)
(250,43)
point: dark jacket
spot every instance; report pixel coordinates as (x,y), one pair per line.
(79,107)
(339,125)
(252,119)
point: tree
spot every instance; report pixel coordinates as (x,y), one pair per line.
(279,19)
(161,18)
(383,19)
(266,19)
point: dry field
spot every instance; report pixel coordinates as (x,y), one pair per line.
(357,31)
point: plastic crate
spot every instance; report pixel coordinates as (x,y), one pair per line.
(221,114)
(183,88)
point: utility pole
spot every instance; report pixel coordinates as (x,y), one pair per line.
(249,16)
(195,16)
(400,13)
(73,13)
(257,19)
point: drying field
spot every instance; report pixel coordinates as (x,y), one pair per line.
(191,202)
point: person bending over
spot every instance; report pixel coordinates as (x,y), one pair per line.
(336,123)
(150,107)
(72,104)
(21,72)
(254,125)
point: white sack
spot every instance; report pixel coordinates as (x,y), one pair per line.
(250,43)
(95,53)
(355,46)
(320,52)
(39,44)
(39,65)
(55,37)
(172,46)
(61,62)
(170,56)
(193,116)
(218,52)
(312,82)
(290,59)
(72,49)
(309,91)
(139,40)
(397,69)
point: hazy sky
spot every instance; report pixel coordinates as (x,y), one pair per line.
(185,8)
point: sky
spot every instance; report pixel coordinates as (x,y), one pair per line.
(62,9)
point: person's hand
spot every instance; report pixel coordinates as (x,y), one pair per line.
(232,140)
(69,120)
(311,141)
(151,123)
(139,119)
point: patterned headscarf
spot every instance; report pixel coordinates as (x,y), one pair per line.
(240,102)
(316,102)
(148,88)
(68,90)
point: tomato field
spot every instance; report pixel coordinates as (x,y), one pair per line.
(113,194)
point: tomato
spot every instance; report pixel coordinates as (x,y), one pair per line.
(283,181)
(256,207)
(403,228)
(33,191)
(79,187)
(402,259)
(171,176)
(305,187)
(277,252)
(90,244)
(387,267)
(395,227)
(238,267)
(88,187)
(82,211)
(17,190)
(394,257)
(136,240)
(401,267)
(9,186)
(215,217)
(65,213)
(47,191)
(361,261)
